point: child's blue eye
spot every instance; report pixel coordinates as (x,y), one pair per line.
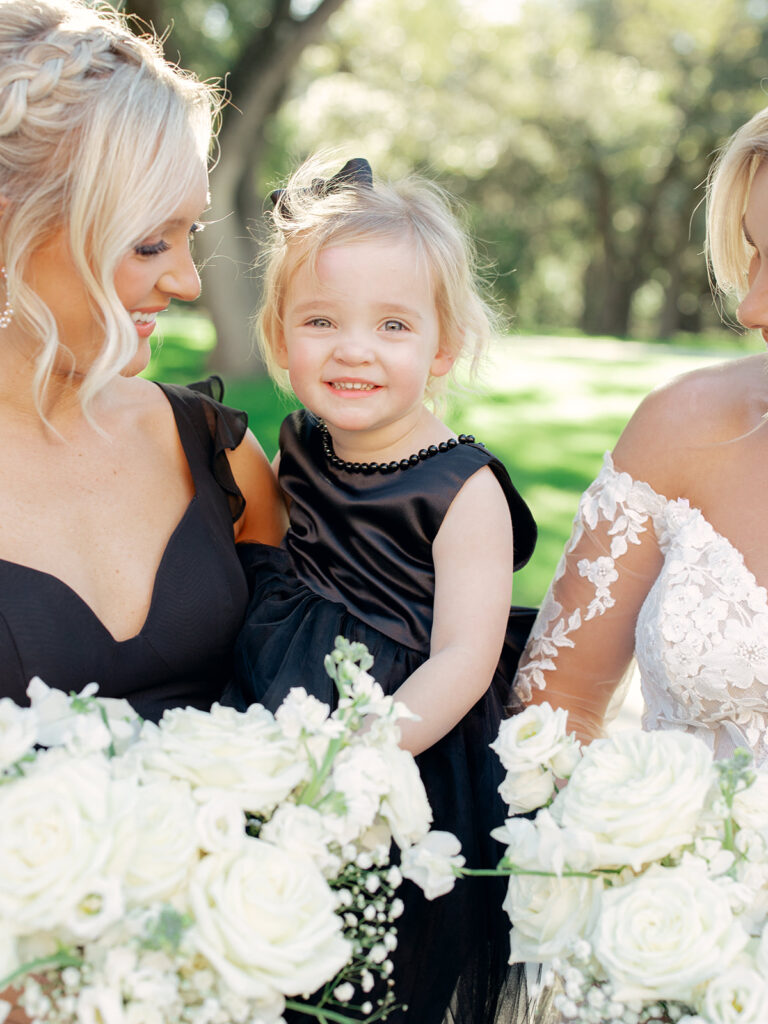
(394,325)
(319,321)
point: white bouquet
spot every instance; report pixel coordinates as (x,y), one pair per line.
(643,883)
(220,867)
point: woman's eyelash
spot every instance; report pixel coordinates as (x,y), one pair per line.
(152,249)
(155,248)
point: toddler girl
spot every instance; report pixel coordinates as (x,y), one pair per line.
(402,536)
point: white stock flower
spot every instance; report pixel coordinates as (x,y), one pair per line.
(83,730)
(639,793)
(430,863)
(56,835)
(300,713)
(736,996)
(548,914)
(750,805)
(264,918)
(537,736)
(99,1004)
(18,732)
(303,830)
(526,790)
(542,845)
(359,773)
(405,806)
(665,933)
(244,754)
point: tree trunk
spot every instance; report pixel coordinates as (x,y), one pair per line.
(258,83)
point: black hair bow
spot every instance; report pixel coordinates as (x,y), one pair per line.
(355,173)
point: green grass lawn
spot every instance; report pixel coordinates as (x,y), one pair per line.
(548,407)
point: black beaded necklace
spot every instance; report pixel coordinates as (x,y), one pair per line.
(389,467)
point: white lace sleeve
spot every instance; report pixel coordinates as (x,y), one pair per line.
(583,637)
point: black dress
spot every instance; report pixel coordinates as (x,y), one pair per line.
(182,654)
(357,562)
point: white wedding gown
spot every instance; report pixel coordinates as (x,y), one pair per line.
(647,575)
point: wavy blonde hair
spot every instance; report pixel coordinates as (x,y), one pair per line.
(728,185)
(308,218)
(100,136)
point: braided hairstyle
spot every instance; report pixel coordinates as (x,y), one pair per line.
(100,136)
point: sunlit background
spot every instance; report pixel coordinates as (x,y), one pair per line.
(576,135)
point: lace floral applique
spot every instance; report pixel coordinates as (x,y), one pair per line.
(619,508)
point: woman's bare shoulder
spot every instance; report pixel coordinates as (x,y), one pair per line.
(678,426)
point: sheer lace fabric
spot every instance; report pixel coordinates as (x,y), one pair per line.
(647,576)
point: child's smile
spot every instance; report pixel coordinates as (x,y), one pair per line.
(361,340)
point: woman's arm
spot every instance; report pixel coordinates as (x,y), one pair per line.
(473,558)
(265,519)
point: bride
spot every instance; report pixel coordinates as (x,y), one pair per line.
(668,559)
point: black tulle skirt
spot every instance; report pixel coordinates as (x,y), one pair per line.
(451,960)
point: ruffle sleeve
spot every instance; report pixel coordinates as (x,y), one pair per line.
(225,429)
(583,639)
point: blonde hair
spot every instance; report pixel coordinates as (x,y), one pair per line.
(100,136)
(728,185)
(308,217)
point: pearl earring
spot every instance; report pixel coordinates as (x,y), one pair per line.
(6,314)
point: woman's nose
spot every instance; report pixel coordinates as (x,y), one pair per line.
(181,280)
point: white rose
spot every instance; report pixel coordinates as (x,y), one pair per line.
(430,863)
(750,805)
(664,933)
(736,996)
(639,793)
(264,918)
(9,954)
(18,732)
(761,953)
(56,835)
(534,737)
(303,830)
(526,790)
(243,754)
(548,914)
(405,806)
(220,824)
(157,844)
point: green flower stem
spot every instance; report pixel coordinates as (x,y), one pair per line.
(57,960)
(319,1013)
(312,789)
(514,870)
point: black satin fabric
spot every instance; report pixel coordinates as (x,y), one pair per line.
(357,562)
(182,654)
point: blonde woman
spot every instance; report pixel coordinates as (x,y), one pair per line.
(669,554)
(121,500)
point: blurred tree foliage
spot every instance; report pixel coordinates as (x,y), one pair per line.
(578,133)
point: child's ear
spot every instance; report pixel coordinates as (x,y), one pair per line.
(442,363)
(280,352)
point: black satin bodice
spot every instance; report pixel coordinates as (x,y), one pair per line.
(365,540)
(181,655)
